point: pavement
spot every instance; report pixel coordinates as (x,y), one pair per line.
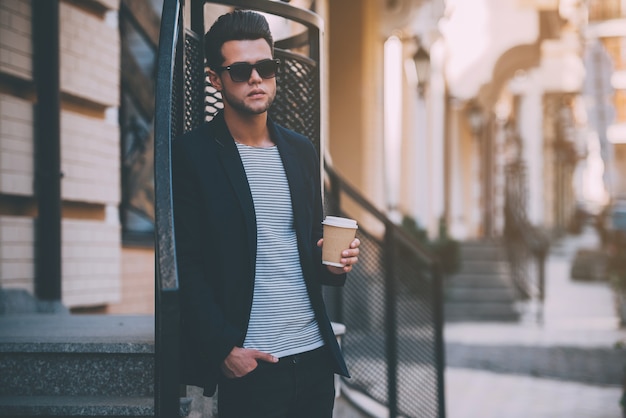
(570,365)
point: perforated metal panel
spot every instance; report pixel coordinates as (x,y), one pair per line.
(392,306)
(297,99)
(364,344)
(193,82)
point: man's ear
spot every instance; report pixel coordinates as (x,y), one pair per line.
(214,79)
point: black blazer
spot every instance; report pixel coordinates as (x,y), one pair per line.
(215,231)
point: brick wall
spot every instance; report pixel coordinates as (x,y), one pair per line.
(16,146)
(15,38)
(90,56)
(90,150)
(137,282)
(91,263)
(16,252)
(90,159)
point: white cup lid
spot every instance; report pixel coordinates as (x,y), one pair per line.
(340,222)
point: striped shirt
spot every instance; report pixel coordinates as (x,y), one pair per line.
(282,320)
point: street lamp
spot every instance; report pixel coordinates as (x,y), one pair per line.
(421,59)
(475,118)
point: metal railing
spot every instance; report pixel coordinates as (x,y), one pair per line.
(526,247)
(392,306)
(166,389)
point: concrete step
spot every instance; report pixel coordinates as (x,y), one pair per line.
(482,290)
(483,267)
(77,365)
(470,294)
(82,406)
(482,251)
(91,406)
(75,355)
(480,311)
(495,281)
(75,373)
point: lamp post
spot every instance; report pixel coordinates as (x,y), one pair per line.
(421,59)
(475,118)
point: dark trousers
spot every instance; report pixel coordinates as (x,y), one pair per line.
(298,386)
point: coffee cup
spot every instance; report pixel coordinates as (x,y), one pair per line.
(338,235)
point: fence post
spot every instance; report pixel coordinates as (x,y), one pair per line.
(439,344)
(166,388)
(541,266)
(391,343)
(332,294)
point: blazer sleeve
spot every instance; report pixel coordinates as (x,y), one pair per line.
(202,322)
(325,276)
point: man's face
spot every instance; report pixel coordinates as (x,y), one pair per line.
(251,97)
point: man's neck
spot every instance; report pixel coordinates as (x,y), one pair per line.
(249,130)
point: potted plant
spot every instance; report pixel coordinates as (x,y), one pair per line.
(443,247)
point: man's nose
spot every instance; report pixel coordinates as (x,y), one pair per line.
(255,76)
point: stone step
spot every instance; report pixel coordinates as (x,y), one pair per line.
(75,373)
(482,311)
(482,289)
(470,294)
(483,267)
(76,355)
(491,281)
(82,406)
(475,251)
(77,365)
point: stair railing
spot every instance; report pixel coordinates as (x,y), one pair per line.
(166,391)
(526,245)
(392,306)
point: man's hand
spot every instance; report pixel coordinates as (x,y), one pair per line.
(349,257)
(242,361)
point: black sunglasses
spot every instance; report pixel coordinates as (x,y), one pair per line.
(241,71)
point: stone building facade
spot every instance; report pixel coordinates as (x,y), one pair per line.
(94,259)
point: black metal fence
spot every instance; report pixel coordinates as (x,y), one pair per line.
(526,246)
(392,304)
(392,308)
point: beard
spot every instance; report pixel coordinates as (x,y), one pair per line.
(244,108)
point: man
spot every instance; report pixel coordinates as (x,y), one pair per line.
(248,213)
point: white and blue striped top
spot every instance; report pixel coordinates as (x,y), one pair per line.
(282,322)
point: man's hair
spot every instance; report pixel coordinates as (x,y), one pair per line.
(234,26)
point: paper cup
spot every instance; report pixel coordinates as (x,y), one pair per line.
(338,235)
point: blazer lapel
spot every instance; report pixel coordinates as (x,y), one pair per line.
(231,161)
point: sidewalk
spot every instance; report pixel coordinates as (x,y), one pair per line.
(572,365)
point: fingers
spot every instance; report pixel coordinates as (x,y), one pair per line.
(259,355)
(242,361)
(349,257)
(351,254)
